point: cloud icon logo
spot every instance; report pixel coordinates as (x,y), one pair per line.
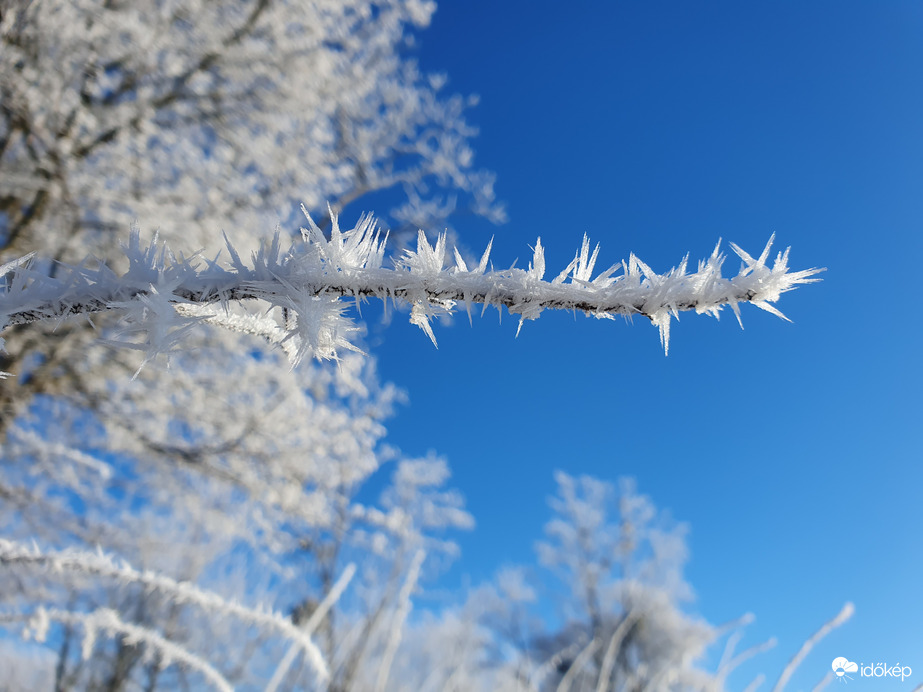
(841,666)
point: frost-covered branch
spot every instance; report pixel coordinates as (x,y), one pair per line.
(108,622)
(99,564)
(308,281)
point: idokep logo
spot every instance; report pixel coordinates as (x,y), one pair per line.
(843,666)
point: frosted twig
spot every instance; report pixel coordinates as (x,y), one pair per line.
(109,622)
(755,683)
(316,618)
(727,667)
(823,683)
(308,282)
(41,445)
(12,553)
(575,668)
(805,649)
(537,677)
(605,670)
(398,619)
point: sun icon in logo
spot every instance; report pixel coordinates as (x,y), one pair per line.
(841,667)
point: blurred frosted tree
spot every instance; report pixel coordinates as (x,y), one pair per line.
(192,527)
(605,609)
(202,117)
(623,626)
(623,564)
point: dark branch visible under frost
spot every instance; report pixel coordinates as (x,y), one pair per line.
(494,289)
(161,296)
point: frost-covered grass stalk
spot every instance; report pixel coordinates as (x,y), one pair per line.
(180,592)
(398,619)
(313,622)
(106,621)
(162,295)
(827,628)
(612,649)
(729,662)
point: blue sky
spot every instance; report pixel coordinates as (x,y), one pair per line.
(792,450)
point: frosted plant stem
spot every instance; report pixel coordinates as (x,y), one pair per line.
(805,649)
(574,670)
(756,683)
(108,621)
(824,681)
(540,673)
(726,668)
(734,626)
(12,553)
(605,670)
(397,621)
(316,618)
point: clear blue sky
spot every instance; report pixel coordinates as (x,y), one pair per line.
(793,450)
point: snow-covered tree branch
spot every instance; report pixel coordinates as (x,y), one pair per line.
(162,295)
